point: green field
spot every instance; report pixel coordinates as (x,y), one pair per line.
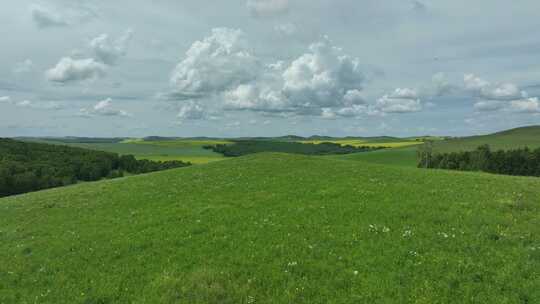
(511,139)
(276,228)
(405,156)
(179,149)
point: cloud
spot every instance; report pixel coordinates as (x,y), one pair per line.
(103,108)
(71,70)
(218,63)
(254,97)
(23,67)
(108,51)
(192,111)
(488,105)
(501,96)
(441,85)
(67,15)
(404,93)
(390,104)
(286,29)
(233,124)
(527,105)
(220,71)
(484,89)
(351,111)
(29,104)
(23,103)
(267,8)
(504,91)
(322,77)
(354,97)
(46,17)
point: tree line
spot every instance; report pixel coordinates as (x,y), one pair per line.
(522,161)
(245,147)
(27,166)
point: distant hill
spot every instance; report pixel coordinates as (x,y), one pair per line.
(509,139)
(74,139)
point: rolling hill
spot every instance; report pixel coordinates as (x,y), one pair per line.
(276,228)
(514,138)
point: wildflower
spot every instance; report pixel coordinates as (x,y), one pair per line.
(443,234)
(355,272)
(385,229)
(407,233)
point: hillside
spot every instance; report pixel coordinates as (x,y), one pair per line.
(276,228)
(514,138)
(401,156)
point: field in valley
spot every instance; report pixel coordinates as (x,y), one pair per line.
(188,150)
(401,156)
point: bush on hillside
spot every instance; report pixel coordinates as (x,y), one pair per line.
(522,161)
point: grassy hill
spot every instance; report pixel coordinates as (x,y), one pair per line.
(404,156)
(154,148)
(514,138)
(276,228)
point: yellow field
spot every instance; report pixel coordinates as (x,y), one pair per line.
(359,143)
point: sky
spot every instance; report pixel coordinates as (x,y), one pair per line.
(268,67)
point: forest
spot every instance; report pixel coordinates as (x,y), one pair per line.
(26,166)
(522,161)
(244,147)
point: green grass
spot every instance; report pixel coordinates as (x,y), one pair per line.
(511,139)
(184,150)
(276,228)
(405,156)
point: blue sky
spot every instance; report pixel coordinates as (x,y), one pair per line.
(268,67)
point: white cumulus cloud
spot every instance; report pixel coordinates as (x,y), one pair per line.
(404,93)
(322,77)
(104,108)
(486,90)
(107,50)
(389,104)
(70,70)
(527,105)
(192,111)
(215,64)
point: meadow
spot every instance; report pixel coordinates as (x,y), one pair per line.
(187,150)
(401,156)
(510,139)
(276,228)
